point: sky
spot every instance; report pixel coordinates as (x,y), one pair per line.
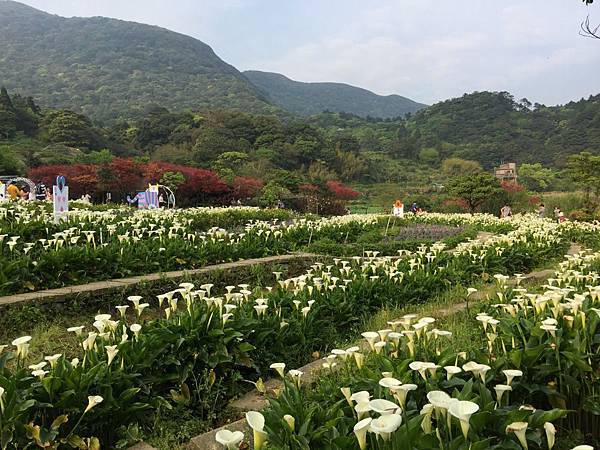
(425,50)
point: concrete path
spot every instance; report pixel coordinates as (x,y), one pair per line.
(60,294)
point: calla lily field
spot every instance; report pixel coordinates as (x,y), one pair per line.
(526,377)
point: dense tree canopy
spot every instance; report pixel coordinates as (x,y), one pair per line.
(474,189)
(472,133)
(584,169)
(454,167)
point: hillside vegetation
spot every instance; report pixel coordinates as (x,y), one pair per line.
(466,134)
(313,98)
(106,68)
(491,126)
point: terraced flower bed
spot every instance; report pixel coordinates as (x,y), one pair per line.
(194,347)
(96,246)
(430,232)
(528,380)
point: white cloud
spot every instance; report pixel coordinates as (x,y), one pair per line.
(432,52)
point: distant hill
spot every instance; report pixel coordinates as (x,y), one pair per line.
(313,98)
(107,68)
(492,126)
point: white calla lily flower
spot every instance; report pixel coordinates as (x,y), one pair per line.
(256,421)
(463,410)
(360,431)
(230,439)
(385,425)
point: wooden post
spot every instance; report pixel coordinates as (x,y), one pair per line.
(387,226)
(394,222)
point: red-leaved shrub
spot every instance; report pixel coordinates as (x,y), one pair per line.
(341,192)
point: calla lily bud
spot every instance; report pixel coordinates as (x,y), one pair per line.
(519,428)
(347,395)
(290,421)
(550,434)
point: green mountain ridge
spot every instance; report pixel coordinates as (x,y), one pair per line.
(491,127)
(307,99)
(108,68)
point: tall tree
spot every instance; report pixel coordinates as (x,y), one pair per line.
(536,177)
(584,169)
(474,189)
(68,128)
(10,164)
(8,118)
(5,101)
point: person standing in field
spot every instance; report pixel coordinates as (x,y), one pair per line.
(542,211)
(13,192)
(398,209)
(24,194)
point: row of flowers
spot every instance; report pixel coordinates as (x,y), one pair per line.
(533,372)
(100,247)
(201,343)
(34,221)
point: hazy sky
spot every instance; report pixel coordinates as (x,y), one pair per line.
(425,50)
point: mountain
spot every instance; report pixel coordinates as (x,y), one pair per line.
(313,98)
(491,126)
(108,69)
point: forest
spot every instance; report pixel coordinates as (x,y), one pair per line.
(481,129)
